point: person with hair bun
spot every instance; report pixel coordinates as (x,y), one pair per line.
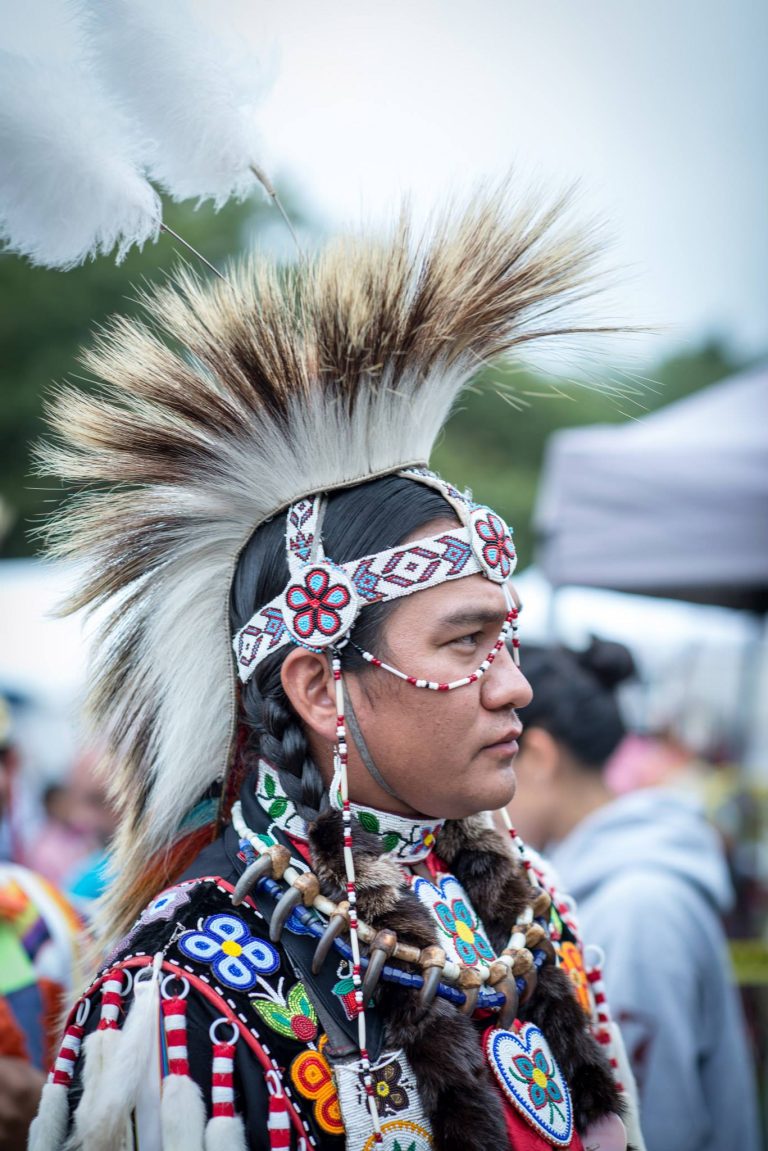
(650,884)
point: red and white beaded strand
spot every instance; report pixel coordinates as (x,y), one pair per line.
(114,988)
(340,786)
(602,1014)
(49,1127)
(278,1119)
(174,1011)
(538,879)
(225,1127)
(64,1068)
(433,685)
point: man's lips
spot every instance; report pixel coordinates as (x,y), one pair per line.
(507,741)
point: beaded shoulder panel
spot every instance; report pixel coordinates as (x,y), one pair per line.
(235,972)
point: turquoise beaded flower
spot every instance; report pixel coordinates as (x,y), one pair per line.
(537,1074)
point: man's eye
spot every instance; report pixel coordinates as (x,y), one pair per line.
(471,640)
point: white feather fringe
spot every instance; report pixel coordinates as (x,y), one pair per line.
(49,1127)
(225,1133)
(191,86)
(70,182)
(115,1063)
(182,1115)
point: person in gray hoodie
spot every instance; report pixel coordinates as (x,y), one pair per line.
(650,882)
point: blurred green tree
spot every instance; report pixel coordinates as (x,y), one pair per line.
(46,316)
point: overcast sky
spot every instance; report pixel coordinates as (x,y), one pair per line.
(658,108)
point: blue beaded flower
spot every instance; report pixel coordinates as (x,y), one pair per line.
(237,959)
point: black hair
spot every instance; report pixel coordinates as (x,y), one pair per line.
(358,521)
(574,696)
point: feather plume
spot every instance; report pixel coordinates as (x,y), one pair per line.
(70,181)
(229,402)
(191,85)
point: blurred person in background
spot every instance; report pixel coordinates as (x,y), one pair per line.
(73,841)
(651,884)
(39,934)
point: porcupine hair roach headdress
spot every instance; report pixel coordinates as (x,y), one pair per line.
(226,404)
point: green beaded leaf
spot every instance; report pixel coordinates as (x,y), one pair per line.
(278,807)
(269,785)
(299,1003)
(344,986)
(275,1016)
(391,841)
(369,821)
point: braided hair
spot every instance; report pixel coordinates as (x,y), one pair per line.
(358,521)
(574,697)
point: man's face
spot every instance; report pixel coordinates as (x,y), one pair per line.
(446,754)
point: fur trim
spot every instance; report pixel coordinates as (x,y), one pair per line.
(49,1127)
(182,1114)
(231,401)
(225,1133)
(456,1090)
(101,1119)
(555,1011)
(484,865)
(493,878)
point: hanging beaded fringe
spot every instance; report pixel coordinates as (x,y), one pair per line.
(182,1110)
(278,1119)
(225,1130)
(603,1024)
(103,1105)
(49,1127)
(349,867)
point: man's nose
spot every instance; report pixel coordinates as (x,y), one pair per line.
(504,684)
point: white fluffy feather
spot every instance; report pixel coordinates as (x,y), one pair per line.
(70,182)
(191,86)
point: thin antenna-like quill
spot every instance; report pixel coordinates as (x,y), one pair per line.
(167,228)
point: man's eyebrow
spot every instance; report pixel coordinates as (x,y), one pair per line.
(472,617)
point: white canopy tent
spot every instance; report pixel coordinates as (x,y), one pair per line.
(674,504)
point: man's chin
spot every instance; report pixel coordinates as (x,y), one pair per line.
(496,793)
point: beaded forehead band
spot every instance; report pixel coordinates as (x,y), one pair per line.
(321,603)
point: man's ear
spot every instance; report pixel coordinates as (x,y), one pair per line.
(541,752)
(308,682)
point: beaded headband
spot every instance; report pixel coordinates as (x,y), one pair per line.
(320,605)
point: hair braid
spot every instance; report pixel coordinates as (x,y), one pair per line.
(277,736)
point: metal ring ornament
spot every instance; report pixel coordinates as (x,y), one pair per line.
(82,1012)
(599,960)
(272,1080)
(212,1031)
(170,977)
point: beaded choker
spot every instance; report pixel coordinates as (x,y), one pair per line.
(407,840)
